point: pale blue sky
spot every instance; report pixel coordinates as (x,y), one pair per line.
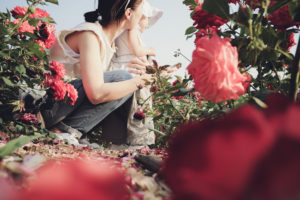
(166,36)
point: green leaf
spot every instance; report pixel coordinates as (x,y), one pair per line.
(21,69)
(53,1)
(217,7)
(13,145)
(294,9)
(8,82)
(190,30)
(190,3)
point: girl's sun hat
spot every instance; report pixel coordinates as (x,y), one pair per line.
(153,13)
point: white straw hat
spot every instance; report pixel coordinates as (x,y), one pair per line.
(153,13)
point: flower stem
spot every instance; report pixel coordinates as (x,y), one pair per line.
(295,74)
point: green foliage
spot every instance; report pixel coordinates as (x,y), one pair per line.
(13,145)
(217,7)
(23,63)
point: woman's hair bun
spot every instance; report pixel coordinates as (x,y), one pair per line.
(91,16)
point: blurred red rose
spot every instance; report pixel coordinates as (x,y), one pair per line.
(215,70)
(72,93)
(247,154)
(77,180)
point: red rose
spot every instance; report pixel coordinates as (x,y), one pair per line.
(77,180)
(46,34)
(72,93)
(204,20)
(281,18)
(247,154)
(57,69)
(59,88)
(29,118)
(139,115)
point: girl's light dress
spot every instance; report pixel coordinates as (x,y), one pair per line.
(138,132)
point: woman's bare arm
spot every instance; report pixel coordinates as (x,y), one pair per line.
(92,72)
(135,46)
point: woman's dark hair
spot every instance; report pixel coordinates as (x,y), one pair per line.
(110,11)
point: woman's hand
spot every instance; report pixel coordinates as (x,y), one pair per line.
(138,66)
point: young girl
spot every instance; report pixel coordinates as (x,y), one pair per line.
(129,46)
(86,52)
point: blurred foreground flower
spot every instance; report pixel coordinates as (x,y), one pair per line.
(214,69)
(248,154)
(77,180)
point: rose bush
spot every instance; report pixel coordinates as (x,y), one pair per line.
(26,34)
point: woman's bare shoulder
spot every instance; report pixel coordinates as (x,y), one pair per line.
(74,39)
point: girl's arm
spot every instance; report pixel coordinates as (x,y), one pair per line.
(136,47)
(87,44)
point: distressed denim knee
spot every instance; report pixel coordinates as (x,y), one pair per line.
(116,76)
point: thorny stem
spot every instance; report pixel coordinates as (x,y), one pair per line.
(295,74)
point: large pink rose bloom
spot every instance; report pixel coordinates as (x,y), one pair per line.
(215,69)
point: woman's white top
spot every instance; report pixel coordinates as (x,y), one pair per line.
(62,53)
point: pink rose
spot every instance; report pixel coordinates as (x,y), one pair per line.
(77,180)
(39,13)
(19,11)
(25,26)
(59,88)
(46,34)
(214,69)
(57,69)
